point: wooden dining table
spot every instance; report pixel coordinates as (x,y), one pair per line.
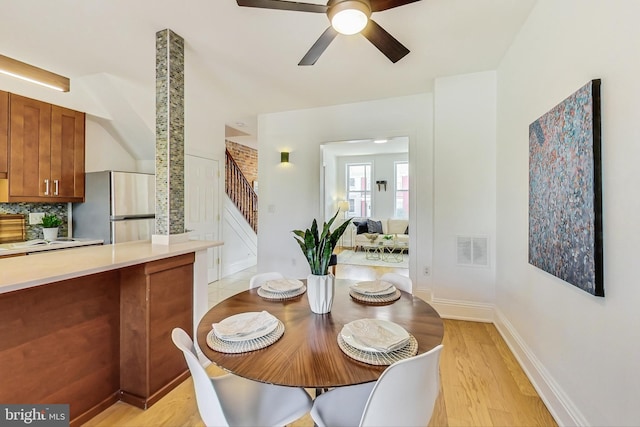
(308,355)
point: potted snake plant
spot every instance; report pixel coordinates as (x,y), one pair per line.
(317,249)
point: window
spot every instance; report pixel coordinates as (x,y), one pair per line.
(402,189)
(359,189)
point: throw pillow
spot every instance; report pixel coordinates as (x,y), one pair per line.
(374,226)
(361,227)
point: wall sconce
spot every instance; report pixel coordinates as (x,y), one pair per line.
(382,184)
(284,157)
(24,71)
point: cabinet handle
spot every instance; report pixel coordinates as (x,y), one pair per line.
(46,187)
(55,192)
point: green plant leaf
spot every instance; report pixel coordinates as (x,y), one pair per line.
(318,249)
(50,220)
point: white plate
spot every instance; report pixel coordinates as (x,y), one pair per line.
(374,287)
(362,333)
(245,317)
(282,285)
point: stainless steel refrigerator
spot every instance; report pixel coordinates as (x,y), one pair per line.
(118,207)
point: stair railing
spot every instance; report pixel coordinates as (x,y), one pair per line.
(241,192)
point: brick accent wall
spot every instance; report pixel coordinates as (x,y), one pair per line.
(246,158)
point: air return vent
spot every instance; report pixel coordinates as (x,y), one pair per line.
(472,251)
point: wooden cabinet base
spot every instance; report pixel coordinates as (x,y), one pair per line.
(76,340)
(147,402)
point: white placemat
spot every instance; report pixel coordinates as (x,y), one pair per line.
(245,326)
(379,358)
(282,285)
(375,299)
(281,295)
(375,335)
(373,287)
(222,346)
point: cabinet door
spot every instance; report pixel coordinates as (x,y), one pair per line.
(29,148)
(4,134)
(67,153)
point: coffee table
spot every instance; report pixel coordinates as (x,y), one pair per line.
(372,252)
(393,251)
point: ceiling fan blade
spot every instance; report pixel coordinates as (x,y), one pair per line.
(378,5)
(319,46)
(385,42)
(284,5)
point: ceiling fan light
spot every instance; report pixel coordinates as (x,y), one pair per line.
(349,17)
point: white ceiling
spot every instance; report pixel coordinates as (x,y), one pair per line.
(252,54)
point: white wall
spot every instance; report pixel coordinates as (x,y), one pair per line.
(465,134)
(103,152)
(329,183)
(585,349)
(240,241)
(289,193)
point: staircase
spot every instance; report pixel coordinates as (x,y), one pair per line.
(241,192)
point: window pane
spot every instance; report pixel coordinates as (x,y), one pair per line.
(359,189)
(402,176)
(402,190)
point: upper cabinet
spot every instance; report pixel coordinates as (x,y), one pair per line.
(67,153)
(46,152)
(4,134)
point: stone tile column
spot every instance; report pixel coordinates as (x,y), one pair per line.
(169,138)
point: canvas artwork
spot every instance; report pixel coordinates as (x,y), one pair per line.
(565,191)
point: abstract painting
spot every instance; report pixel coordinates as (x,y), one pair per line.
(565,191)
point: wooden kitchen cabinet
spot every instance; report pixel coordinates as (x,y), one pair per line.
(67,153)
(4,134)
(154,298)
(46,152)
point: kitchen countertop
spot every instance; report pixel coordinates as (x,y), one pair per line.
(23,247)
(23,272)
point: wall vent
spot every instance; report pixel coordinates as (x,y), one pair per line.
(472,251)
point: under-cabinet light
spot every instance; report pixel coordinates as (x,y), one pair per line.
(30,73)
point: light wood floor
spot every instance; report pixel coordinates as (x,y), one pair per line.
(482,383)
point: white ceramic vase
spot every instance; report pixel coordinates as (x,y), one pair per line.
(50,234)
(320,290)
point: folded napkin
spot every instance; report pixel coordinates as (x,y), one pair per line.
(377,334)
(282,285)
(373,287)
(244,324)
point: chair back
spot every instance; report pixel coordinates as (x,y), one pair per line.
(406,392)
(206,397)
(260,278)
(401,282)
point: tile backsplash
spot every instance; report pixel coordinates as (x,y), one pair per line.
(35,231)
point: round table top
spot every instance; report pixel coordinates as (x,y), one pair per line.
(308,355)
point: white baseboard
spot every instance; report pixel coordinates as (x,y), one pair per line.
(560,406)
(463,310)
(239,266)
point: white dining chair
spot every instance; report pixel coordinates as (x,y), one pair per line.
(259,279)
(404,395)
(401,282)
(230,400)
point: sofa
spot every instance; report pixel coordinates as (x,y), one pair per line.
(364,228)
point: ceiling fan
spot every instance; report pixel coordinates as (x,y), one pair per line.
(346,17)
